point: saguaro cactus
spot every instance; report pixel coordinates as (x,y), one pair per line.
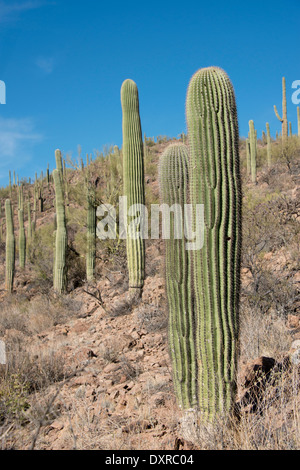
(298,120)
(173,185)
(60,270)
(29,226)
(269,150)
(59,163)
(22,238)
(248,156)
(10,247)
(283,119)
(91,233)
(253,150)
(133,175)
(215,183)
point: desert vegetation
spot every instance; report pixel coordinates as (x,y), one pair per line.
(137,343)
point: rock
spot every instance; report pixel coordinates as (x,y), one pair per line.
(293,321)
(112,367)
(295,358)
(295,352)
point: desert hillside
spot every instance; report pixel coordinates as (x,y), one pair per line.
(90,368)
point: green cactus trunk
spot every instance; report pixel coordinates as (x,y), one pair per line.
(48,176)
(59,163)
(298,120)
(29,225)
(10,247)
(248,156)
(22,237)
(283,120)
(253,150)
(215,183)
(91,234)
(173,184)
(269,149)
(133,176)
(60,268)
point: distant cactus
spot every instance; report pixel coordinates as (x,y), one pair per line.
(91,232)
(173,185)
(133,177)
(215,183)
(283,120)
(22,238)
(290,129)
(29,225)
(298,120)
(248,156)
(48,176)
(253,150)
(269,149)
(10,247)
(60,269)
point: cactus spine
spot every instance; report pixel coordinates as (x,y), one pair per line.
(215,183)
(10,247)
(173,183)
(283,120)
(22,238)
(60,274)
(133,176)
(253,150)
(269,150)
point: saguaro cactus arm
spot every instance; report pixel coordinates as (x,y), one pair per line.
(283,119)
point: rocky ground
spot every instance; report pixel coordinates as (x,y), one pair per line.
(100,375)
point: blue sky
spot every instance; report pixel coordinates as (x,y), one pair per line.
(64,61)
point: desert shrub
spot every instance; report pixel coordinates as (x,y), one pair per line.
(14,393)
(152,317)
(287,153)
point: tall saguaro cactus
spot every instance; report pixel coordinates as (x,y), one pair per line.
(59,163)
(215,183)
(248,156)
(60,269)
(253,150)
(22,237)
(91,232)
(10,247)
(133,176)
(173,186)
(283,119)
